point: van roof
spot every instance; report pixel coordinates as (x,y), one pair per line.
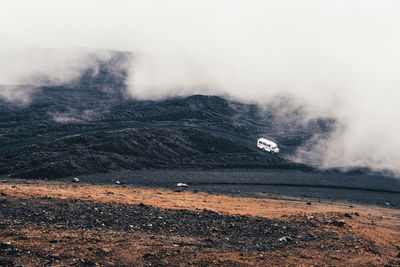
(266,141)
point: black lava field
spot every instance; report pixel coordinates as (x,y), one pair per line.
(91,126)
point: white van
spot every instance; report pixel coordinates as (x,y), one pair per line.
(267,145)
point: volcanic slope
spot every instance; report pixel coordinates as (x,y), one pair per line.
(90,126)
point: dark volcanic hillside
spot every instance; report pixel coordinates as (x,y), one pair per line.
(90,126)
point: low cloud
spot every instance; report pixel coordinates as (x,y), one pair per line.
(336,59)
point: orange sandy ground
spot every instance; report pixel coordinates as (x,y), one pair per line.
(378,225)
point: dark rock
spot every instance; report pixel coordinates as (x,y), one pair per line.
(147,255)
(338,223)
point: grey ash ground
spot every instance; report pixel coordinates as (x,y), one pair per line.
(90,126)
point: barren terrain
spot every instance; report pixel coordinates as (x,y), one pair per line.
(91,126)
(242,207)
(52,223)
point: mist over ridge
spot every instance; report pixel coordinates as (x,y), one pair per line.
(337,59)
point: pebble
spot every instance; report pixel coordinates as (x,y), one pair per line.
(105,250)
(285,239)
(75,180)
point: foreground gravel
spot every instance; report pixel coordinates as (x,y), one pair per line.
(34,226)
(212,229)
(73,225)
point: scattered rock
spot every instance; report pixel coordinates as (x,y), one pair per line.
(347,215)
(147,255)
(308,203)
(303,256)
(75,180)
(212,230)
(285,239)
(338,223)
(105,250)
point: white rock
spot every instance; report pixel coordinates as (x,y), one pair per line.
(181,185)
(285,239)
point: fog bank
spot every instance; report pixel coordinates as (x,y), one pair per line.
(333,58)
